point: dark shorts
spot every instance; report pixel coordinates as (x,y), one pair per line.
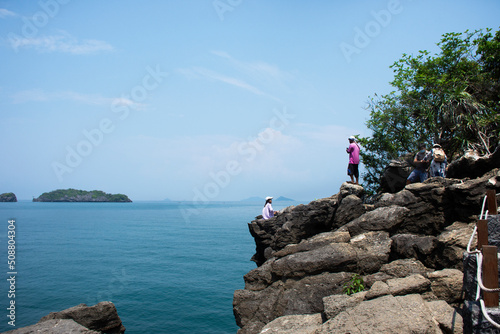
(352,169)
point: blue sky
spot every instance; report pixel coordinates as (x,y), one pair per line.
(211,100)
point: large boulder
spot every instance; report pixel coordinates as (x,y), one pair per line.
(467,197)
(394,177)
(55,326)
(254,309)
(472,165)
(381,219)
(293,324)
(101,317)
(388,315)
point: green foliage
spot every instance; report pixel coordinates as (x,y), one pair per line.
(451,98)
(354,285)
(63,195)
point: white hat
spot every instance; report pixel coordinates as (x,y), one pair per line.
(352,138)
(268,198)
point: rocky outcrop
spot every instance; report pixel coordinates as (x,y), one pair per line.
(100,318)
(8,197)
(472,165)
(408,248)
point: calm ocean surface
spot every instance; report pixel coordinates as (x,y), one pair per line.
(164,273)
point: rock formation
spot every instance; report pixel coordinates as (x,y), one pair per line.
(97,319)
(407,246)
(8,197)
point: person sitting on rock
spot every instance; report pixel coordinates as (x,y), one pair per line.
(439,162)
(268,211)
(421,162)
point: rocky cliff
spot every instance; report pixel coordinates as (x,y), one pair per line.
(407,248)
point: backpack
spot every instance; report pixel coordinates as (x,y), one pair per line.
(438,154)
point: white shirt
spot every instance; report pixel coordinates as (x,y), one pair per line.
(268,211)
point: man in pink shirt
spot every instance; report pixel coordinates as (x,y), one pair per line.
(353,150)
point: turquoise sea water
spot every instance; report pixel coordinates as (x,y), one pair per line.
(164,272)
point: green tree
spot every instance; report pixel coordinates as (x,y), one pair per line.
(451,98)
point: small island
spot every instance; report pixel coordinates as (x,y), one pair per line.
(8,197)
(74,195)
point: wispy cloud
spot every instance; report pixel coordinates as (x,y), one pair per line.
(5,13)
(62,42)
(259,70)
(212,75)
(39,95)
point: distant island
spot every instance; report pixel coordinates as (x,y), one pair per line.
(74,195)
(262,199)
(8,197)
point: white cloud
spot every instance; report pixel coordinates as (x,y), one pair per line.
(39,95)
(63,42)
(5,13)
(257,70)
(196,72)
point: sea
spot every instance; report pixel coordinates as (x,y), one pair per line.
(168,267)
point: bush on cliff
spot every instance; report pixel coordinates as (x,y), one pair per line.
(452,98)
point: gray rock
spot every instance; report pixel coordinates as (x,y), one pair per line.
(334,257)
(373,249)
(101,317)
(292,324)
(55,326)
(365,253)
(304,296)
(335,304)
(399,286)
(314,242)
(292,226)
(347,189)
(404,267)
(413,246)
(467,196)
(388,315)
(472,165)
(350,208)
(452,243)
(447,284)
(381,219)
(450,321)
(474,320)
(394,177)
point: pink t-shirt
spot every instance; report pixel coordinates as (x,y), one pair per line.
(353,153)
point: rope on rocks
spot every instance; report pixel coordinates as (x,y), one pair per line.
(487,316)
(479,262)
(479,257)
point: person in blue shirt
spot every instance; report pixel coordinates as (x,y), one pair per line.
(421,162)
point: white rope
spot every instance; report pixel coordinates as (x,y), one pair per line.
(482,209)
(486,315)
(469,245)
(479,262)
(479,257)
